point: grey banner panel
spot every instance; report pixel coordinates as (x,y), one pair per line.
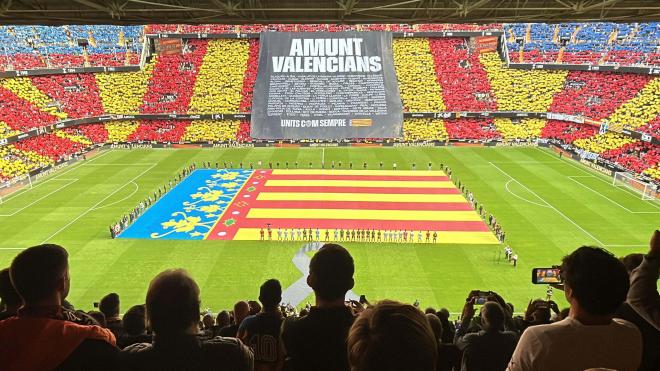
(326,85)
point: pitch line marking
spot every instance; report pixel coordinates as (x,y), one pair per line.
(609,199)
(506,186)
(96,205)
(137,187)
(600,194)
(71,181)
(597,175)
(550,206)
(56,176)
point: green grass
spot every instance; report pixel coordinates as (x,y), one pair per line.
(547,206)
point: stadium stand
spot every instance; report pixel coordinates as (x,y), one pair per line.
(584,43)
(15,162)
(596,95)
(20,114)
(173,79)
(75,94)
(25,89)
(120,131)
(518,90)
(50,145)
(637,156)
(652,128)
(600,143)
(640,110)
(30,47)
(123,93)
(435,74)
(419,89)
(567,132)
(159,130)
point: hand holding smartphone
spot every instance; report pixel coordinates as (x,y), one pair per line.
(544,276)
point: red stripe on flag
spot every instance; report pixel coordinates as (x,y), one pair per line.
(476,226)
(398,190)
(357,177)
(439,206)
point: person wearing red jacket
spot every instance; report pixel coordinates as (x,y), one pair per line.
(44,335)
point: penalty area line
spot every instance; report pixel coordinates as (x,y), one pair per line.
(550,206)
(96,205)
(56,175)
(600,176)
(70,181)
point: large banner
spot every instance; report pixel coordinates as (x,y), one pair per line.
(326,85)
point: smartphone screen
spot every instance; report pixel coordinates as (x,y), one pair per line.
(481,297)
(542,276)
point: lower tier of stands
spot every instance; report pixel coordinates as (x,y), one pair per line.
(37,152)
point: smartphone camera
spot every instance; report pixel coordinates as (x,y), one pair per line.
(544,276)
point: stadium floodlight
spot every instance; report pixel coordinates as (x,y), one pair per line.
(626,179)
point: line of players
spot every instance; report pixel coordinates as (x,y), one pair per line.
(350,235)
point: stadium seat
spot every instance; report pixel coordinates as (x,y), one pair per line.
(50,145)
(173,79)
(640,110)
(75,94)
(583,43)
(603,142)
(123,93)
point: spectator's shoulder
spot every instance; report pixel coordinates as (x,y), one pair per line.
(626,327)
(137,348)
(229,349)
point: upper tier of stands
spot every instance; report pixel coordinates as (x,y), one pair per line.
(584,43)
(217,76)
(31,47)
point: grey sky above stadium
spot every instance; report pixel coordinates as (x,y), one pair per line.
(322,11)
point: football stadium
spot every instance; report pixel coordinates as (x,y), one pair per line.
(350,185)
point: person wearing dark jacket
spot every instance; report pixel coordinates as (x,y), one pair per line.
(8,296)
(134,324)
(489,349)
(44,335)
(172,307)
(318,341)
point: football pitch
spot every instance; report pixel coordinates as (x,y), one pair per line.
(547,206)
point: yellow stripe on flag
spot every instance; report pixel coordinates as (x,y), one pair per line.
(369,197)
(358,183)
(416,173)
(421,215)
(444,237)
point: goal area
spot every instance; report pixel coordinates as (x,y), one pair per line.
(628,180)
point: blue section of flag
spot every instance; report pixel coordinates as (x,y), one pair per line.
(191,209)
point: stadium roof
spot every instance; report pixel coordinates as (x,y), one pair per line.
(322,11)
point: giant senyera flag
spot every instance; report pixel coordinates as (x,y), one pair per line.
(236,204)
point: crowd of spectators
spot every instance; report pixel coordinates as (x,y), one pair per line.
(584,43)
(567,132)
(173,79)
(50,145)
(15,162)
(123,92)
(435,74)
(596,95)
(256,28)
(613,322)
(419,89)
(600,143)
(32,47)
(639,110)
